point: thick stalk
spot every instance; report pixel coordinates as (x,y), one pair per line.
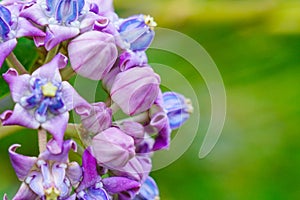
(51,54)
(13,62)
(42,135)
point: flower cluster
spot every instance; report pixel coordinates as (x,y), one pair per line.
(88,38)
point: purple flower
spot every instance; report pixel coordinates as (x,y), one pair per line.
(113,148)
(47,177)
(93,54)
(97,119)
(136,32)
(148,191)
(93,186)
(42,99)
(129,59)
(177,107)
(135,90)
(11,27)
(159,125)
(64,19)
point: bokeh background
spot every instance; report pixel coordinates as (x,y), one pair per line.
(255,45)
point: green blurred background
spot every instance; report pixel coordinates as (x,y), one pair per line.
(255,45)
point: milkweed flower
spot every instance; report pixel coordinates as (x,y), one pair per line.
(63,19)
(177,107)
(148,190)
(136,32)
(42,99)
(97,119)
(113,148)
(92,186)
(135,90)
(12,26)
(93,54)
(48,176)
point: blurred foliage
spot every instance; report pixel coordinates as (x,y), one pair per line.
(255,45)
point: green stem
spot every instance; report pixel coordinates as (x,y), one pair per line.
(13,62)
(137,118)
(67,73)
(51,54)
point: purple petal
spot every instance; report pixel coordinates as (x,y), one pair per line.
(24,192)
(134,129)
(17,84)
(119,184)
(25,28)
(57,127)
(113,148)
(99,119)
(109,79)
(93,54)
(90,174)
(56,34)
(35,182)
(6,48)
(50,70)
(73,100)
(74,173)
(21,164)
(129,59)
(36,14)
(19,116)
(62,157)
(137,168)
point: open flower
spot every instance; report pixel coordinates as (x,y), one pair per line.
(92,186)
(63,19)
(11,27)
(149,190)
(42,99)
(48,176)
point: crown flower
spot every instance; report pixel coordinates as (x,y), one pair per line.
(113,136)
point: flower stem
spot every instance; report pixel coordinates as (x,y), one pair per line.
(42,135)
(51,54)
(67,73)
(13,62)
(114,107)
(137,118)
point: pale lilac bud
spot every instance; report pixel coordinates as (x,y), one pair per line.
(112,148)
(135,90)
(98,119)
(93,54)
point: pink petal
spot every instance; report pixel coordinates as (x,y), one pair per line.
(25,28)
(36,14)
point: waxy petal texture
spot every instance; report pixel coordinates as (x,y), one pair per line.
(135,90)
(93,54)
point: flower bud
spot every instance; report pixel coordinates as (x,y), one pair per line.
(112,148)
(93,54)
(135,90)
(136,32)
(178,108)
(99,118)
